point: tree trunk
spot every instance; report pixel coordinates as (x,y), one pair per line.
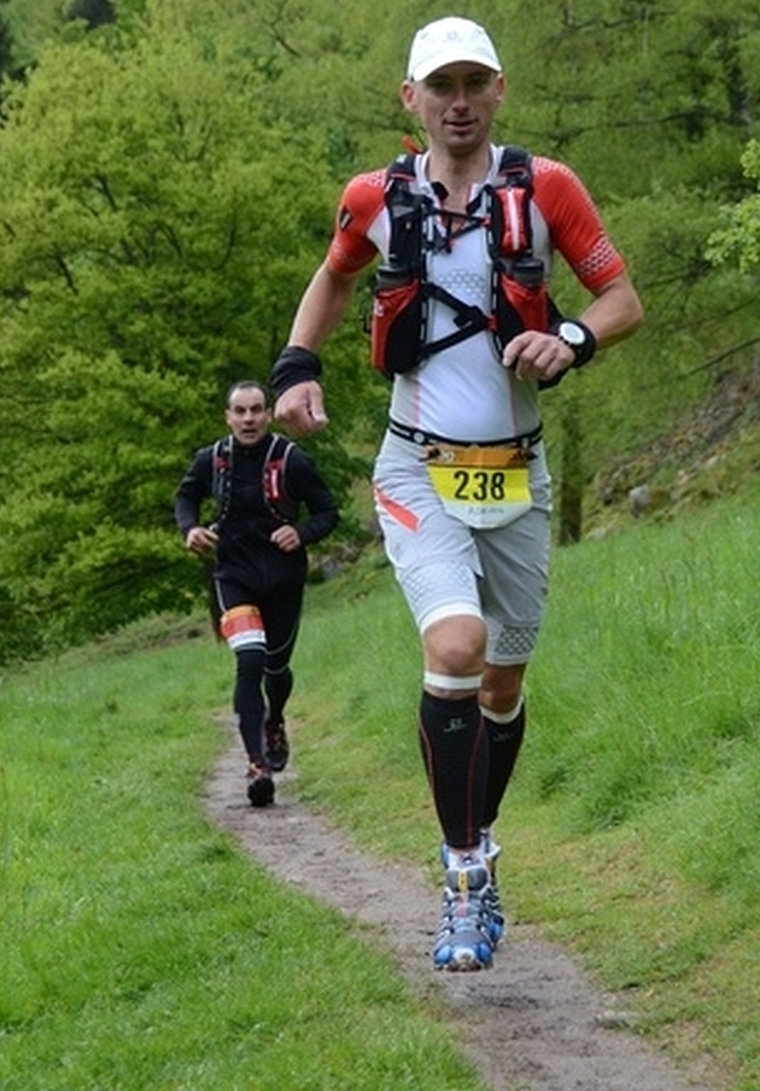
(571,475)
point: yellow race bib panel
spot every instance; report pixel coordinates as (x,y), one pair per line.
(484,487)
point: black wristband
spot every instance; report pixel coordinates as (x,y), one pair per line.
(587,352)
(293,365)
(568,329)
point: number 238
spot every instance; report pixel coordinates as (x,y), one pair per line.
(478,485)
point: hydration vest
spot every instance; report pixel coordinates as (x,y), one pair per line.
(402,291)
(272,484)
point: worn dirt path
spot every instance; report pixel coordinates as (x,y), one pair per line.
(535,1022)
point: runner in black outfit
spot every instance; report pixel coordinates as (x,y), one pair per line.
(260,482)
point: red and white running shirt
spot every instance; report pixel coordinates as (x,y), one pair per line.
(464,392)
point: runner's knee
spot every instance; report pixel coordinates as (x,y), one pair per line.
(502,687)
(455,646)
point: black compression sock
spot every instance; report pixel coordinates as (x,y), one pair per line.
(278,688)
(249,700)
(504,742)
(455,752)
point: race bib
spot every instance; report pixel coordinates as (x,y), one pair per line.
(482,486)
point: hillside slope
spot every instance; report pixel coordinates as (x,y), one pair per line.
(708,455)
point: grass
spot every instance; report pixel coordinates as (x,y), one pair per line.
(140,947)
(631,831)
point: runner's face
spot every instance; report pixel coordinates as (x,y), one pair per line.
(247,415)
(456,105)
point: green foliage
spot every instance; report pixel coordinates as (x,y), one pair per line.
(6,43)
(643,387)
(95,13)
(740,236)
(168,184)
(651,104)
(155,232)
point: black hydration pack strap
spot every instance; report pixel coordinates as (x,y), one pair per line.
(468,318)
(273,479)
(221,479)
(408,243)
(273,490)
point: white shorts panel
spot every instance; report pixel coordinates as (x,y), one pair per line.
(451,609)
(444,567)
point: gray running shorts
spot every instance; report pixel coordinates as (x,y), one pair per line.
(445,567)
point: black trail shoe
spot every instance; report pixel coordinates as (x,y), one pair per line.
(260,786)
(278,748)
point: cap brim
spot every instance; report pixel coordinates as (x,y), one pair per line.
(426,68)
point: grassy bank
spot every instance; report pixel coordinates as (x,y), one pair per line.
(141,948)
(631,832)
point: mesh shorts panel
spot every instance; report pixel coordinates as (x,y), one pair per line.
(429,587)
(510,644)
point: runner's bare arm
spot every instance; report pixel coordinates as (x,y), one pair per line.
(300,408)
(615,312)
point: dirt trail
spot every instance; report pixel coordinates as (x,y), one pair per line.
(533,1023)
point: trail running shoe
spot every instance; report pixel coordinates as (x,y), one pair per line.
(278,748)
(260,785)
(464,940)
(497,921)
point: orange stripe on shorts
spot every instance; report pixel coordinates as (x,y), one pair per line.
(242,625)
(397,511)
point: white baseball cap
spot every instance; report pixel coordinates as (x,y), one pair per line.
(447,41)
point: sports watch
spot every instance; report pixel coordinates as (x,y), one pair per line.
(578,337)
